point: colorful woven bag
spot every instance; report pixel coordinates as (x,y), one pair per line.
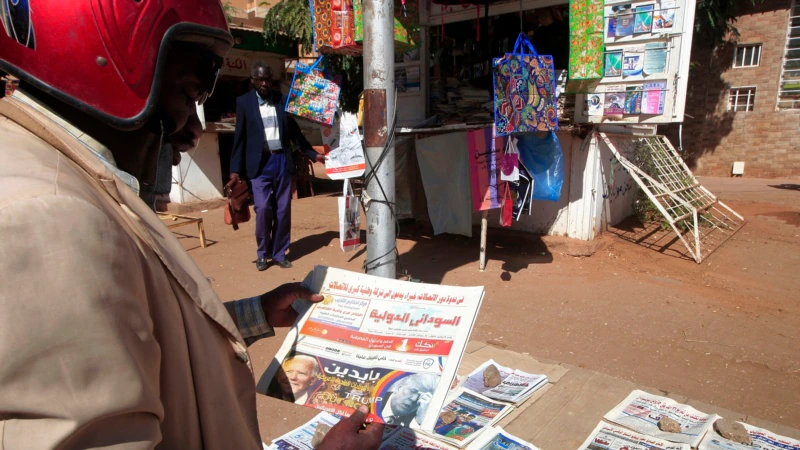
(314,94)
(524,91)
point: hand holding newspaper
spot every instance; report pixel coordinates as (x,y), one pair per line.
(392,345)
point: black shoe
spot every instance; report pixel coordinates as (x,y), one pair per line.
(285,264)
(261,265)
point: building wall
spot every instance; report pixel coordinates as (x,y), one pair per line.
(766,139)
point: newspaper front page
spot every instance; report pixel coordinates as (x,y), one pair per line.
(392,345)
(497,438)
(641,411)
(515,386)
(474,412)
(762,440)
(408,439)
(612,437)
(300,438)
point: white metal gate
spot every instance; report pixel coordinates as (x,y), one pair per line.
(700,220)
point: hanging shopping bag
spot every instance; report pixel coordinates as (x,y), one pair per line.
(314,94)
(506,205)
(349,219)
(333,25)
(509,166)
(524,91)
(541,155)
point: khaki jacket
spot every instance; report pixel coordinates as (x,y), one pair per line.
(110,335)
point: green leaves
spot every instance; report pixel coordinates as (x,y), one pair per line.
(715,20)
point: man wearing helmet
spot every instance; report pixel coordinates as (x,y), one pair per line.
(110,335)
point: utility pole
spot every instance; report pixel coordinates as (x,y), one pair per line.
(378,117)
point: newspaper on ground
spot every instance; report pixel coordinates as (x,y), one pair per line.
(611,437)
(300,438)
(392,345)
(408,439)
(641,411)
(474,413)
(762,439)
(496,438)
(516,386)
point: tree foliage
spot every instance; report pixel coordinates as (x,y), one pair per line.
(293,18)
(715,20)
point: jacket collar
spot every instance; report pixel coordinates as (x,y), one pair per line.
(141,219)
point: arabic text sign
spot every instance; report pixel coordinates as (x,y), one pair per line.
(483,168)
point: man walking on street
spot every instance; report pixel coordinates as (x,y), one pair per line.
(262,152)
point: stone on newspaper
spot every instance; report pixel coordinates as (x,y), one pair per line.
(734,431)
(447,417)
(491,376)
(319,434)
(669,425)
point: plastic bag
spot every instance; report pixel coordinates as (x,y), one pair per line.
(509,167)
(542,157)
(349,219)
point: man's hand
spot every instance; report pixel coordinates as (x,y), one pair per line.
(234,178)
(423,402)
(277,304)
(351,434)
(321,158)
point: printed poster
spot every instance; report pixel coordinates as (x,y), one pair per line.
(655,95)
(664,17)
(655,58)
(614,101)
(633,62)
(613,64)
(624,20)
(643,19)
(633,100)
(594,104)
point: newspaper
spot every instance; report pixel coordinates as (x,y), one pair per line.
(762,439)
(611,437)
(474,413)
(641,411)
(408,439)
(497,439)
(343,148)
(516,386)
(300,438)
(392,345)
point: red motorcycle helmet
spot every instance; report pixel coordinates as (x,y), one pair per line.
(105,57)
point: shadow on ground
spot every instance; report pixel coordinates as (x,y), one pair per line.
(432,257)
(786,186)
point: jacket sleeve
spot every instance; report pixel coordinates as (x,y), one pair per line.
(299,140)
(239,141)
(80,363)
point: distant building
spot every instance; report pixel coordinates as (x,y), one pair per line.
(743,101)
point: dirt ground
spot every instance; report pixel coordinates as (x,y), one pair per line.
(724,332)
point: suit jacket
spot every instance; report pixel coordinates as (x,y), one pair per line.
(111,334)
(248,140)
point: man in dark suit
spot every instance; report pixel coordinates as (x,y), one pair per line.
(262,152)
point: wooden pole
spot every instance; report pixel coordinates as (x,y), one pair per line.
(484,230)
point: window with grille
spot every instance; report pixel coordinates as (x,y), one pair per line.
(748,55)
(789,88)
(741,99)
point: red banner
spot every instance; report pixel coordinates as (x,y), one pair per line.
(374,342)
